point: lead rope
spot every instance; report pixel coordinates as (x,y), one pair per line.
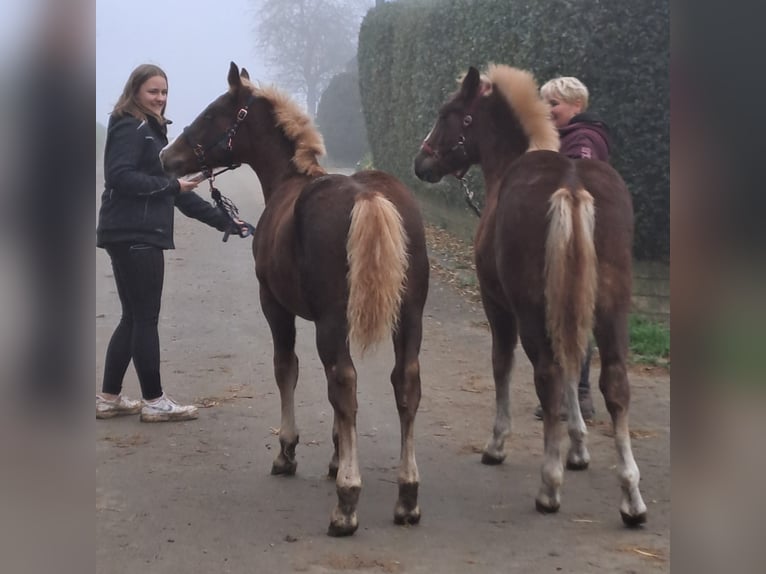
(231,210)
(468,194)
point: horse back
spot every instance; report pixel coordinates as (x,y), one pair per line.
(521,220)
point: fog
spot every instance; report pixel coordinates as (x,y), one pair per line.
(192,40)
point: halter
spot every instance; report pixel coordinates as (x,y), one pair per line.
(460,145)
(221,201)
(228,137)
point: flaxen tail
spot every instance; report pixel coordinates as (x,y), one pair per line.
(377,269)
(571,276)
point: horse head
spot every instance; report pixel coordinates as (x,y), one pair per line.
(451,147)
(213,139)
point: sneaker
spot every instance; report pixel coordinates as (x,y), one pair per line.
(106,409)
(165,409)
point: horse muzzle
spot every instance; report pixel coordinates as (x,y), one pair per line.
(427,167)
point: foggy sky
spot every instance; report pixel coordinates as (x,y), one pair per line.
(192,40)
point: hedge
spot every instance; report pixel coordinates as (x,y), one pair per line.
(411,52)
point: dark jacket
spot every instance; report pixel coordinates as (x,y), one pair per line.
(138,199)
(585,136)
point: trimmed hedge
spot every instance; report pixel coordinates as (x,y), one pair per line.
(411,52)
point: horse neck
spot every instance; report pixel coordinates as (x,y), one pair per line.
(500,144)
(271,158)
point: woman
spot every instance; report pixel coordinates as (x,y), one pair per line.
(135,226)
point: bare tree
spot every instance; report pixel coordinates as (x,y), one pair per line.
(307,42)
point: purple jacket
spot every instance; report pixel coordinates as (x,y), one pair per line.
(585,136)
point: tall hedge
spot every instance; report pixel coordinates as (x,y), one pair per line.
(411,52)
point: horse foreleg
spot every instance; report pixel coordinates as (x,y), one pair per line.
(504,337)
(282,326)
(405,379)
(578,457)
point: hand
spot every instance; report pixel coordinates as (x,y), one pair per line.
(188,183)
(242,228)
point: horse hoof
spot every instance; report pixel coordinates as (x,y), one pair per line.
(492,459)
(284,468)
(632,521)
(545,508)
(345,527)
(577,464)
(407,518)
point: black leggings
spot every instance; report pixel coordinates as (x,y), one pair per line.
(139,272)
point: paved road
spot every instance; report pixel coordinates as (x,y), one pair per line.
(198,496)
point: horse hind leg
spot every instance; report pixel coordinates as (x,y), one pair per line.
(332,468)
(550,391)
(504,338)
(341,388)
(282,326)
(405,379)
(611,335)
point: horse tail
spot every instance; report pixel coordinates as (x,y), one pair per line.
(377,269)
(571,276)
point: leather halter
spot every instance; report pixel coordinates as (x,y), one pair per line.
(228,137)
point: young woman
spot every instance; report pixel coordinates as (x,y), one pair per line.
(135,226)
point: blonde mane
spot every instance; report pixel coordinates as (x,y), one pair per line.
(519,89)
(297,126)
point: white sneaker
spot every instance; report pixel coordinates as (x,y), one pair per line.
(106,409)
(165,409)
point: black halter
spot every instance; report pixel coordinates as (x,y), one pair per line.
(223,202)
(227,137)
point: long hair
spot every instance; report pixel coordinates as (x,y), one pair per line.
(128,101)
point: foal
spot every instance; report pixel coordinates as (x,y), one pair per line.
(553,253)
(346,252)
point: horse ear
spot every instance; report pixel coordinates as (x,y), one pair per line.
(470,84)
(234,79)
(243,74)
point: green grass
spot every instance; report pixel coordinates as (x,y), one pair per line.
(649,341)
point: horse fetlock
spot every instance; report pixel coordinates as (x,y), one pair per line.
(407,510)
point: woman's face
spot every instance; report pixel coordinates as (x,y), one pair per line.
(562,111)
(153,94)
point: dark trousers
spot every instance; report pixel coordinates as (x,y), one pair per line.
(584,384)
(139,271)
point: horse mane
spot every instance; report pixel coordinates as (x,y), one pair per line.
(519,89)
(297,126)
